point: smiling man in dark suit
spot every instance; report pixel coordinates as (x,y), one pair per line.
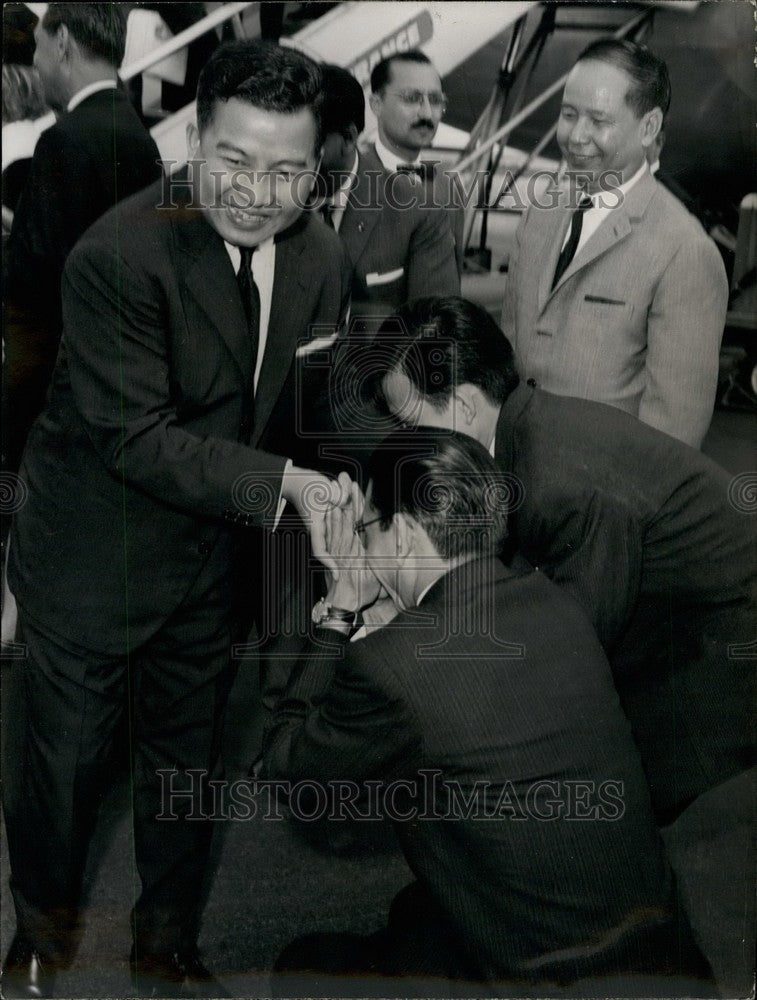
(96,154)
(164,442)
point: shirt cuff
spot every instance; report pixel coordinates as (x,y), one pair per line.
(282,501)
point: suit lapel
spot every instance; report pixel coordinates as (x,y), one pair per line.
(289,301)
(209,288)
(556,225)
(359,221)
(614,228)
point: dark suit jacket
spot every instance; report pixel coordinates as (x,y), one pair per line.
(93,157)
(496,684)
(90,159)
(400,244)
(650,536)
(138,467)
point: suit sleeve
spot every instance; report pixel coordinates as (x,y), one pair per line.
(115,342)
(509,305)
(455,206)
(685,327)
(336,719)
(432,267)
(594,552)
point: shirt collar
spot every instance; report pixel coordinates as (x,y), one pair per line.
(263,249)
(91,88)
(623,188)
(339,198)
(389,160)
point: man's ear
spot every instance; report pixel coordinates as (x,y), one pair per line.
(651,126)
(403,533)
(65,43)
(350,138)
(466,403)
(374,101)
(193,141)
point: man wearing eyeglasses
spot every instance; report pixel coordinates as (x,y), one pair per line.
(408,102)
(400,244)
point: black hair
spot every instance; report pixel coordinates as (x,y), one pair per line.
(448,483)
(263,74)
(343,101)
(99,28)
(381,72)
(650,82)
(439,343)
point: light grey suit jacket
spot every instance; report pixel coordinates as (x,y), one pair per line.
(637,318)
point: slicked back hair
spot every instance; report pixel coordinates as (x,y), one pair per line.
(439,343)
(381,74)
(650,82)
(98,28)
(445,481)
(265,75)
(344,101)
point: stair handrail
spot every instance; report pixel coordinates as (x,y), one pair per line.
(189,34)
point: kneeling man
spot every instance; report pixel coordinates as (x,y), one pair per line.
(478,708)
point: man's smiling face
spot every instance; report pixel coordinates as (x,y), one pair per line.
(598,131)
(256,169)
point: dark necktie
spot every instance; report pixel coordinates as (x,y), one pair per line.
(423,170)
(568,252)
(250,300)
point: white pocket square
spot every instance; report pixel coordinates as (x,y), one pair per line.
(374,278)
(316,344)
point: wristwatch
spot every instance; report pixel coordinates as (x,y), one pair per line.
(325,614)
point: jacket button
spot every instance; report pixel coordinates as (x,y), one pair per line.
(203,548)
(531,382)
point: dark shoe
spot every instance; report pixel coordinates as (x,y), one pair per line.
(24,974)
(179,974)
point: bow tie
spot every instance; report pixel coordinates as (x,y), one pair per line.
(423,170)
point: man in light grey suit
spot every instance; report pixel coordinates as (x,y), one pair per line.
(614,291)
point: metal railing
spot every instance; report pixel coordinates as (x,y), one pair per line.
(189,34)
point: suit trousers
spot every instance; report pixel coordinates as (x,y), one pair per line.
(67,709)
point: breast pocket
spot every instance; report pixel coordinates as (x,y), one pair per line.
(375,278)
(610,339)
(604,315)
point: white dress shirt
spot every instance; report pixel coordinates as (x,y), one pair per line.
(263,269)
(389,160)
(91,88)
(599,211)
(338,200)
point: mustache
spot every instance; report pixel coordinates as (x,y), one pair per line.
(423,122)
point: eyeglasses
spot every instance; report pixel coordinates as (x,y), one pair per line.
(360,526)
(415,98)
